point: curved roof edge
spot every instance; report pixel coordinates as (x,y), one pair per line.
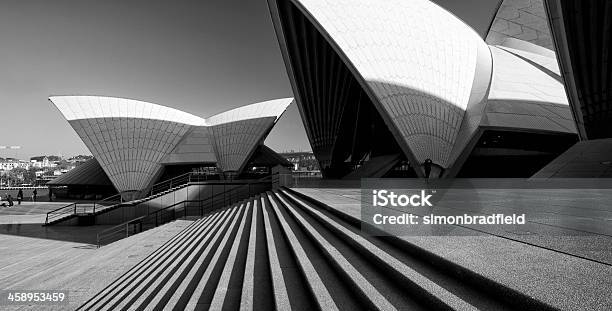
(523,45)
(271,108)
(75,107)
(88,107)
(517,79)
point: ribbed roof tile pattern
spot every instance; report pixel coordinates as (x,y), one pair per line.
(129,150)
(86,107)
(272,108)
(236,141)
(433,80)
(419,73)
(133,139)
(521,19)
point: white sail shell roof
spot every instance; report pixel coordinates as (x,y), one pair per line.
(429,75)
(417,60)
(88,107)
(133,139)
(272,108)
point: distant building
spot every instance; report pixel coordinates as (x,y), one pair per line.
(301,160)
(42,162)
(76,160)
(10,164)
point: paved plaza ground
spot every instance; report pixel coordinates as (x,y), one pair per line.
(65,257)
(561,256)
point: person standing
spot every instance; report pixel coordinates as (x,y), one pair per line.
(19,196)
(427,167)
(10,200)
(34,193)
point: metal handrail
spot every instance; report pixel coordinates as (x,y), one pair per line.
(177,181)
(54,214)
(161,186)
(201,203)
(113,230)
(111,198)
(72,209)
(135,202)
(107,199)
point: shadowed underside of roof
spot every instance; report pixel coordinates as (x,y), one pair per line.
(89,173)
(582,37)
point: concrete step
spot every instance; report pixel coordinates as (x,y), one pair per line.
(314,282)
(247,294)
(161,288)
(202,295)
(280,251)
(229,287)
(471,287)
(371,288)
(122,282)
(287,281)
(399,273)
(148,284)
(154,262)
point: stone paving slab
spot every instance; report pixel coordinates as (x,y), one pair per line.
(80,268)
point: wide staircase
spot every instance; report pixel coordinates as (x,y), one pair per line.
(280,250)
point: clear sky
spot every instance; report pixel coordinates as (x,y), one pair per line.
(199,56)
